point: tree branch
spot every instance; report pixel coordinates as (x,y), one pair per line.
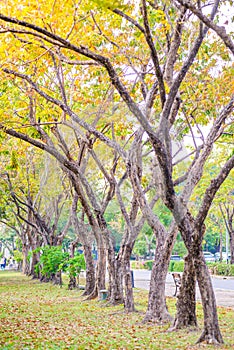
(220,31)
(154,54)
(211,192)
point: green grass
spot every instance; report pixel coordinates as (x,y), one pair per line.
(35,315)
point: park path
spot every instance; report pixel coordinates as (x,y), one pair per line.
(224,296)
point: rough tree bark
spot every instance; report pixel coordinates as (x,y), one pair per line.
(192,237)
(211,333)
(157,310)
(123,263)
(186,299)
(25,263)
(83,236)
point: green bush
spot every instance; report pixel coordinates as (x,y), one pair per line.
(138,265)
(176,266)
(148,264)
(51,260)
(73,266)
(221,268)
(18,256)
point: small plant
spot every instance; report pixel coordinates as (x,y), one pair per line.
(18,257)
(221,268)
(52,257)
(138,265)
(149,264)
(176,266)
(73,267)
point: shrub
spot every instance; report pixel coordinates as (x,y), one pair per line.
(18,256)
(73,266)
(138,265)
(176,266)
(148,264)
(221,268)
(51,260)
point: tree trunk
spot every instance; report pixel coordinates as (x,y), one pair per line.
(115,279)
(72,283)
(231,233)
(221,245)
(192,236)
(83,236)
(211,333)
(157,309)
(34,260)
(56,278)
(100,273)
(186,300)
(125,255)
(90,270)
(25,263)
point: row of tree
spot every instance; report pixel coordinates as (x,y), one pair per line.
(133,101)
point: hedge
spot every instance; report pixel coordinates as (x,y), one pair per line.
(217,268)
(221,269)
(177,266)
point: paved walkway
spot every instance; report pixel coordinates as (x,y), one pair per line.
(223,297)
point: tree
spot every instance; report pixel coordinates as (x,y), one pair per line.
(168,51)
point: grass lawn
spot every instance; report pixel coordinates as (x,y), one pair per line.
(35,315)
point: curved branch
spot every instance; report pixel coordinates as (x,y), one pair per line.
(181,75)
(220,31)
(154,54)
(68,111)
(212,190)
(129,19)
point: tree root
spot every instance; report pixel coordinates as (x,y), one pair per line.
(149,318)
(92,296)
(180,325)
(113,303)
(210,338)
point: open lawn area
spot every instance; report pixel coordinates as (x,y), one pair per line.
(36,315)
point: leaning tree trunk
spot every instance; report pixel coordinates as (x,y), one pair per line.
(157,309)
(211,333)
(72,284)
(83,237)
(186,300)
(192,233)
(115,295)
